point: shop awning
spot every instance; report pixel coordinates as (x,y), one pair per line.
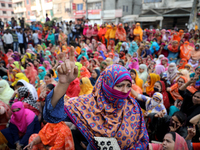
(129,18)
(149,19)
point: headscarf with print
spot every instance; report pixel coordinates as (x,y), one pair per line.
(153,78)
(109,119)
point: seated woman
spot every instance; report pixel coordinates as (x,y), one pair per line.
(196,73)
(5,91)
(152,105)
(86,86)
(98,114)
(171,141)
(160,124)
(143,74)
(135,77)
(174,88)
(94,76)
(151,80)
(135,88)
(25,96)
(52,136)
(84,72)
(5,113)
(22,125)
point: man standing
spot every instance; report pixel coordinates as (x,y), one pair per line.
(15,41)
(8,41)
(78,29)
(69,30)
(35,37)
(47,18)
(21,41)
(1,24)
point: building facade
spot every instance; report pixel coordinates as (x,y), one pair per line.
(6,10)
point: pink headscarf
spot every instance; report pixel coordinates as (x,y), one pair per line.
(134,65)
(48,66)
(85,29)
(9,53)
(164,58)
(159,69)
(95,29)
(101,47)
(10,61)
(89,32)
(21,118)
(31,73)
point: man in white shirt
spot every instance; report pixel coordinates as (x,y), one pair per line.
(8,41)
(35,37)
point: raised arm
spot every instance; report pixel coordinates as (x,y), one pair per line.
(191,81)
(67,72)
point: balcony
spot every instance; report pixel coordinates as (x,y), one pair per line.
(112,14)
(16,1)
(19,9)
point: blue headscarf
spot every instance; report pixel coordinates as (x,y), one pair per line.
(83,54)
(154,44)
(92,80)
(102,54)
(42,74)
(193,74)
(133,48)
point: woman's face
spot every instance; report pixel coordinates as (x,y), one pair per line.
(10,69)
(134,55)
(120,63)
(35,63)
(196,98)
(141,70)
(133,75)
(82,52)
(44,65)
(40,70)
(180,82)
(158,86)
(197,71)
(47,80)
(164,62)
(94,74)
(168,142)
(124,86)
(148,79)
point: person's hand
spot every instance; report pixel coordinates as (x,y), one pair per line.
(47,147)
(37,78)
(18,147)
(29,146)
(67,71)
(170,58)
(191,132)
(168,89)
(193,79)
(146,85)
(160,114)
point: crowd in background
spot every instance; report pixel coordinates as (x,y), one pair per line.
(139,86)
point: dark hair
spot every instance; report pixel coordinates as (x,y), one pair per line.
(121,61)
(19,84)
(48,75)
(133,71)
(181,116)
(160,84)
(50,86)
(173,135)
(51,72)
(81,81)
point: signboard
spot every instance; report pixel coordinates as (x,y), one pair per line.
(90,12)
(74,6)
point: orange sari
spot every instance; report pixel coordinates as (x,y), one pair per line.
(138,31)
(185,50)
(56,135)
(120,33)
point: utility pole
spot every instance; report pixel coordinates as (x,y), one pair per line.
(193,15)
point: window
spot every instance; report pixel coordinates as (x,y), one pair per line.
(57,8)
(3,5)
(93,6)
(126,8)
(12,12)
(27,2)
(29,13)
(79,6)
(4,12)
(9,5)
(152,1)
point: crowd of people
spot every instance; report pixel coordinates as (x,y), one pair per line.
(77,86)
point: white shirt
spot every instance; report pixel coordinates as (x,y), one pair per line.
(35,38)
(7,38)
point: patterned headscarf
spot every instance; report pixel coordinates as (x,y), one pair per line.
(26,96)
(105,113)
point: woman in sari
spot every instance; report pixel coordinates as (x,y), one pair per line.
(159,69)
(151,80)
(83,53)
(5,114)
(4,57)
(171,141)
(84,72)
(185,50)
(51,38)
(46,65)
(89,33)
(174,88)
(164,62)
(133,48)
(95,32)
(94,76)
(112,99)
(173,51)
(31,73)
(41,72)
(101,34)
(143,74)
(108,29)
(10,61)
(62,38)
(5,91)
(113,32)
(23,123)
(84,62)
(138,33)
(19,76)
(134,64)
(172,73)
(86,86)
(52,136)
(101,47)
(18,65)
(182,63)
(74,88)
(120,33)
(195,54)
(135,77)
